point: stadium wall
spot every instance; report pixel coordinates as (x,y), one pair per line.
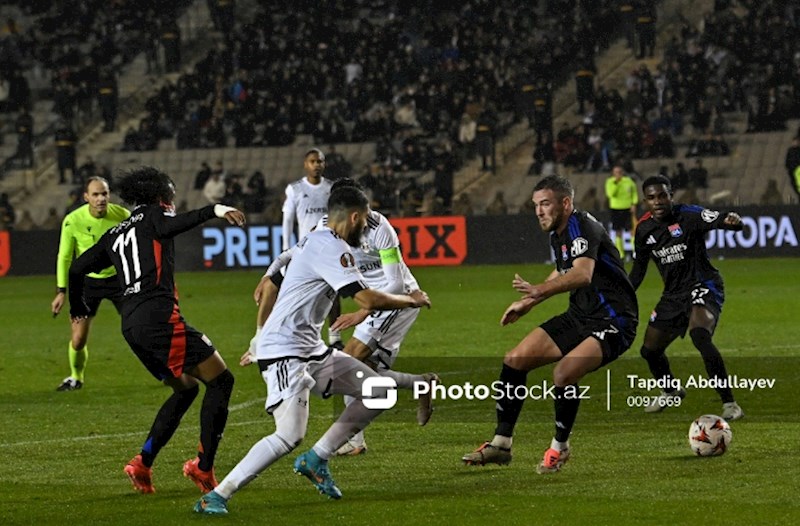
(453,240)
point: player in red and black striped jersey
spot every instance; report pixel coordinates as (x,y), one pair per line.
(142,250)
(673,236)
(599,325)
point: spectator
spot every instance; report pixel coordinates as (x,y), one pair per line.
(108,97)
(466,136)
(25,222)
(202,176)
(87,169)
(663,146)
(498,205)
(484,140)
(24,129)
(793,157)
(771,196)
(590,201)
(544,155)
(171,41)
(681,178)
(215,188)
(131,141)
(52,221)
(463,205)
(698,176)
(443,180)
(66,139)
(336,166)
(7,215)
(795,180)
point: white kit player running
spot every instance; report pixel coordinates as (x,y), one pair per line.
(306,202)
(295,362)
(378,335)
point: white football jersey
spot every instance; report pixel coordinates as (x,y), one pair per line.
(322,264)
(379,235)
(306,203)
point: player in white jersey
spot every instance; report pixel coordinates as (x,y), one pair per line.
(306,202)
(295,362)
(379,334)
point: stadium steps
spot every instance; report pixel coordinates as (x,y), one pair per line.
(38,190)
(514,151)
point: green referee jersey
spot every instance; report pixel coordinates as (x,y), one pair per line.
(621,194)
(79,231)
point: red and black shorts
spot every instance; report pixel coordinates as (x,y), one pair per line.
(167,350)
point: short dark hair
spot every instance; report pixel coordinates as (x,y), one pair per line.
(314,150)
(347,198)
(145,186)
(656,180)
(345,182)
(558,184)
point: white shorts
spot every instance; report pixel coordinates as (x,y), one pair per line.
(383,332)
(336,373)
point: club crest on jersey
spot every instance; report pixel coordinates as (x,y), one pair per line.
(709,215)
(347,260)
(653,316)
(564,253)
(675,230)
(579,246)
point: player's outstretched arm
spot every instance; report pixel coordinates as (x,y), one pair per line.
(371,299)
(93,260)
(517,310)
(733,221)
(267,296)
(350,319)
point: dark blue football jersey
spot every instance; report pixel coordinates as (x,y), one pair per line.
(677,246)
(610,294)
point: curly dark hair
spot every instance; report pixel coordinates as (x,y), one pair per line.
(146,186)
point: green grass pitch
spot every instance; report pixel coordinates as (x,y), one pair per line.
(61,454)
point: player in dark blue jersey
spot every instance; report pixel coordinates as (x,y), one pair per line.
(599,325)
(142,249)
(673,236)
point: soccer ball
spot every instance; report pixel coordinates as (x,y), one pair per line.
(709,436)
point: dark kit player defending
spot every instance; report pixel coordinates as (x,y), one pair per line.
(142,250)
(673,235)
(599,325)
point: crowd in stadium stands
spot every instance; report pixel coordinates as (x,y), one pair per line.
(740,62)
(79,43)
(431,84)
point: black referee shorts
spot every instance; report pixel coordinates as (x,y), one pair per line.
(621,220)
